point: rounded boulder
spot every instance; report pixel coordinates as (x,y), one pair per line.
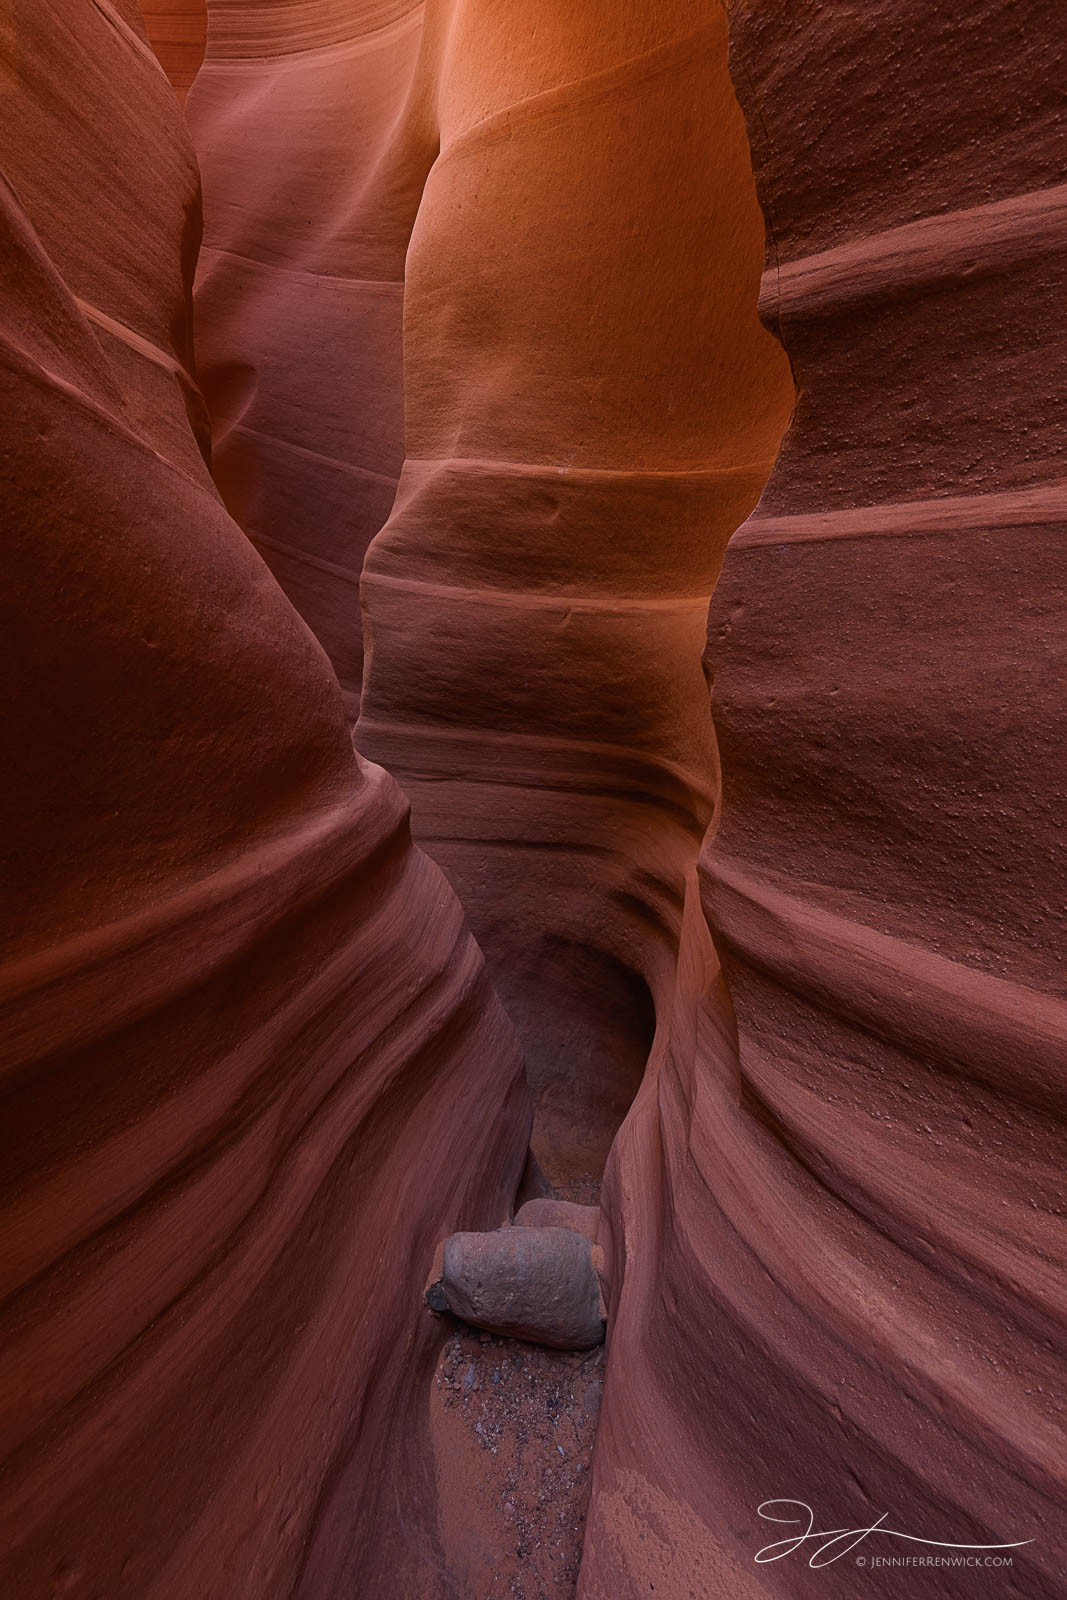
(537,1284)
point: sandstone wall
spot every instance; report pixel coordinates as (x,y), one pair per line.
(839,1206)
(252,1068)
(178,32)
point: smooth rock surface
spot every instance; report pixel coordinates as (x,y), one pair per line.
(573,448)
(533,1283)
(177,30)
(252,1066)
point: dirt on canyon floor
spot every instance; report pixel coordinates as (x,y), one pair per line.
(513,1428)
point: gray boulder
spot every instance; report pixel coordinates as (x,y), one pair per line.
(529,1283)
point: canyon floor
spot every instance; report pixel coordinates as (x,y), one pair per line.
(513,1426)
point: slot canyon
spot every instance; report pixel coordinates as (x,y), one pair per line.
(534,1015)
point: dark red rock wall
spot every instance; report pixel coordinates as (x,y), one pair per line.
(252,1069)
(839,1203)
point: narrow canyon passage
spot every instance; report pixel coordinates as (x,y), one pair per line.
(589,413)
(383,384)
(583,416)
(592,407)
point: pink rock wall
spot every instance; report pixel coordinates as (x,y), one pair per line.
(839,1200)
(578,448)
(252,1070)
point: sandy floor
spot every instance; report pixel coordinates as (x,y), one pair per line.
(513,1428)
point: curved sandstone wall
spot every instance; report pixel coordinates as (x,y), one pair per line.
(591,408)
(314,129)
(244,1020)
(837,1199)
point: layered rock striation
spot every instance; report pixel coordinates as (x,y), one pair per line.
(177,30)
(579,444)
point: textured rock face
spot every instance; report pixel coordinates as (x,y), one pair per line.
(837,1207)
(252,1068)
(239,1010)
(591,410)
